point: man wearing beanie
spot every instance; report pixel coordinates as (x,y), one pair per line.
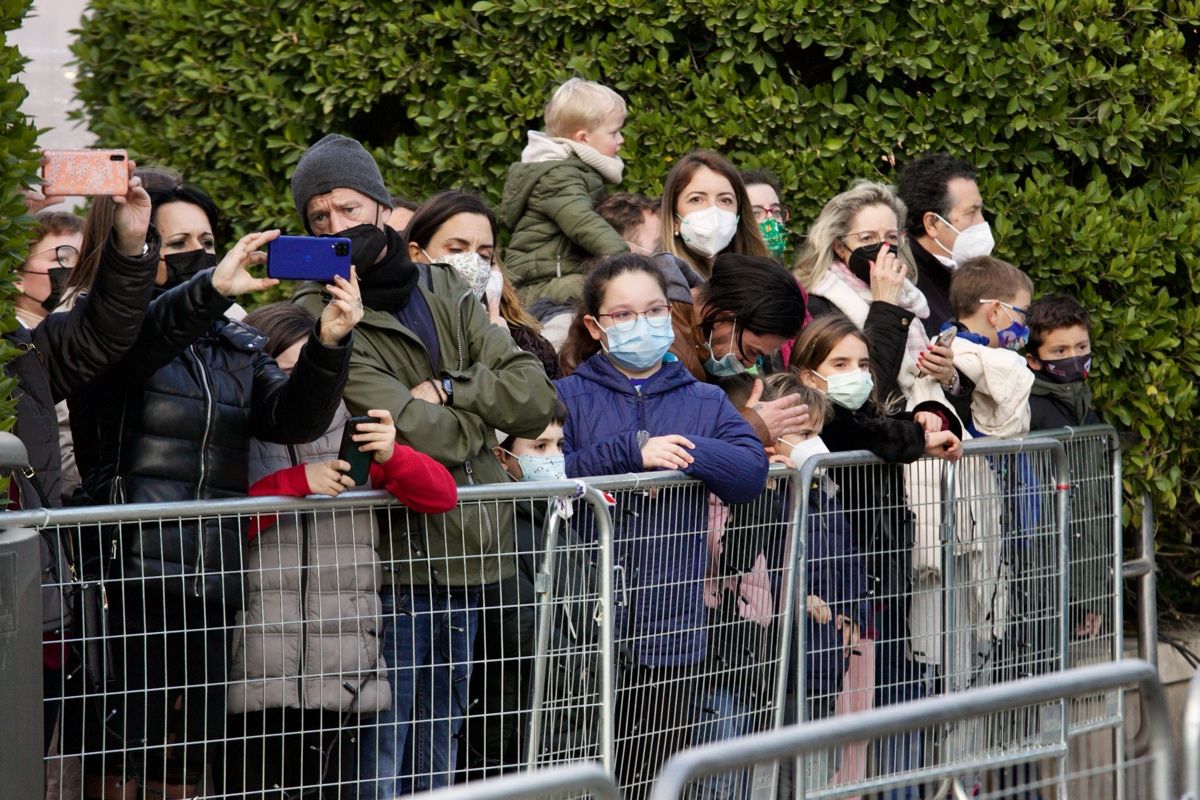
(425,351)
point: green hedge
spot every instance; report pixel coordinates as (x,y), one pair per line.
(18,168)
(1081,114)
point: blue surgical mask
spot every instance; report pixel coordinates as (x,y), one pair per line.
(642,345)
(848,389)
(543,468)
(1016,335)
(729,364)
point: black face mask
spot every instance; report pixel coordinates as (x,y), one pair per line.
(182,266)
(861,258)
(1072,369)
(58,277)
(367,241)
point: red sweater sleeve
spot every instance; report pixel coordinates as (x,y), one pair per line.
(289,482)
(416,480)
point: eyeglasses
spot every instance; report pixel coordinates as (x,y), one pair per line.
(655,315)
(869,238)
(66,255)
(1024,312)
(781,213)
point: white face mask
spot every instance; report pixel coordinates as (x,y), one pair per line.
(973,242)
(848,389)
(803,451)
(710,231)
(471,267)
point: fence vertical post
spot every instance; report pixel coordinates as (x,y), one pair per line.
(608,690)
(20,645)
(948,577)
(1147,586)
(1191,741)
(544,588)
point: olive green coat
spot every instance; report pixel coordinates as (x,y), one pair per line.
(496,385)
(550,208)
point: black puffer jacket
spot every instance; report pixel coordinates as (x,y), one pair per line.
(60,356)
(173,421)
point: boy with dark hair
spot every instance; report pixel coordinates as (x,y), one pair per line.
(1060,355)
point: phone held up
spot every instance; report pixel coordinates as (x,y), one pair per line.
(360,462)
(308,258)
(67,173)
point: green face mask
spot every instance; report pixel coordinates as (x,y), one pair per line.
(774,236)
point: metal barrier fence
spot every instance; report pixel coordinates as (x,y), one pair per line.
(1020,772)
(572,780)
(1191,741)
(618,628)
(965,573)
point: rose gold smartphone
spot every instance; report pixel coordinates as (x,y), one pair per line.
(85,172)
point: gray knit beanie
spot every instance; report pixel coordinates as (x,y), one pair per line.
(336,162)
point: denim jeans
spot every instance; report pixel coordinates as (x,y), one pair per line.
(898,679)
(722,715)
(428,633)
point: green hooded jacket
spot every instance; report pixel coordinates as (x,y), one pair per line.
(550,208)
(496,385)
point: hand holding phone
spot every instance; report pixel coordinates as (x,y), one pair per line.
(85,172)
(309,258)
(370,436)
(232,276)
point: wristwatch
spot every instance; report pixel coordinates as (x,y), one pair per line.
(448,388)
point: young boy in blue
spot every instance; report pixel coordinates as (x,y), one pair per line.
(632,409)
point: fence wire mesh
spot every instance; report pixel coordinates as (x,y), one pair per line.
(336,648)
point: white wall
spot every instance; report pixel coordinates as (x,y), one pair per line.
(45,40)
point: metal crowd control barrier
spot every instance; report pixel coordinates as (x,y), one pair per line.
(572,780)
(1147,778)
(1191,741)
(294,691)
(641,619)
(984,543)
(20,642)
(703,610)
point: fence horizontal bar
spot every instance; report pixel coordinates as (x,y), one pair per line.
(798,740)
(556,781)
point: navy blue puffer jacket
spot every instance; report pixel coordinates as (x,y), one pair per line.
(661,537)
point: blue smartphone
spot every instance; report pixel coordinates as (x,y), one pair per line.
(308,258)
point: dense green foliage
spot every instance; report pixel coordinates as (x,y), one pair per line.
(18,166)
(1082,115)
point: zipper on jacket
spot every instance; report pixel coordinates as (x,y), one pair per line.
(198,583)
(304,544)
(208,420)
(460,339)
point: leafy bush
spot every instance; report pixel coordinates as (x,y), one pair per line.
(18,166)
(1082,116)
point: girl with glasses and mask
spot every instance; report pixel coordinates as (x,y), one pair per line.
(631,408)
(458,230)
(831,356)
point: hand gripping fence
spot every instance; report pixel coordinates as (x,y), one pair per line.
(618,620)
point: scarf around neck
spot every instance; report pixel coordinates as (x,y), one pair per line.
(1076,396)
(549,148)
(387,285)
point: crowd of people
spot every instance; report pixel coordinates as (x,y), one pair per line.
(706,331)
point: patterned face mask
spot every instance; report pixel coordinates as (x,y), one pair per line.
(774,235)
(471,267)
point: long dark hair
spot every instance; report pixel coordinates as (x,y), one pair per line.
(580,346)
(434,212)
(760,294)
(284,324)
